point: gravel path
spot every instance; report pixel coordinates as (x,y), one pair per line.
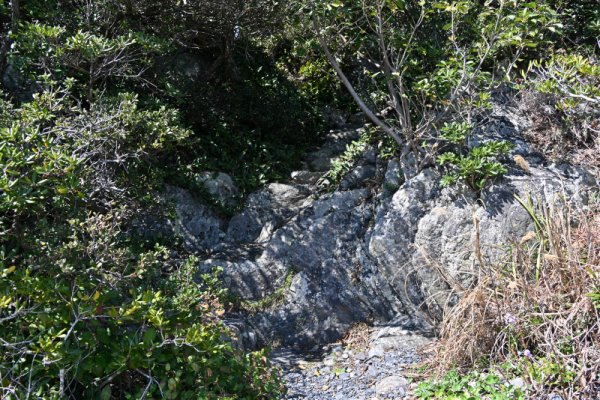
(369,370)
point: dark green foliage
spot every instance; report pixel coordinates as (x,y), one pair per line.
(581,20)
(259,120)
(88,311)
(242,108)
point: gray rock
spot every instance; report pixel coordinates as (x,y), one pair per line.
(372,371)
(395,385)
(358,119)
(335,144)
(358,177)
(306,177)
(424,241)
(376,352)
(334,117)
(398,253)
(370,156)
(330,290)
(392,179)
(196,223)
(220,186)
(265,211)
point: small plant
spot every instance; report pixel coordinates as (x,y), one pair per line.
(272,299)
(344,163)
(479,165)
(595,296)
(456,132)
(340,166)
(472,386)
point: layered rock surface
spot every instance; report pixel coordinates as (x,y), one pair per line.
(315,264)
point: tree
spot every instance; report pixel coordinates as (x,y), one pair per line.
(426,62)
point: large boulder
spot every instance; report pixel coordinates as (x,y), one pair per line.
(333,284)
(266,210)
(431,243)
(198,226)
(221,187)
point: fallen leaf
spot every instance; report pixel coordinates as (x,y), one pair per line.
(528,236)
(522,163)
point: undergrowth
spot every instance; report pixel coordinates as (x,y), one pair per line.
(538,313)
(342,165)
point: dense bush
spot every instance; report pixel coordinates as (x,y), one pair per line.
(86,309)
(236,100)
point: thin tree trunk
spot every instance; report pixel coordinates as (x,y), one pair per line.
(361,104)
(15,14)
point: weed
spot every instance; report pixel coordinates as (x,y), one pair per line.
(478,165)
(535,311)
(472,386)
(272,299)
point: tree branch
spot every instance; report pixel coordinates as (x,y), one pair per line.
(361,104)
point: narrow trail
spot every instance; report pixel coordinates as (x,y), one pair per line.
(370,364)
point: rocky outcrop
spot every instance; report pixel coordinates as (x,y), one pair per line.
(184,217)
(310,266)
(267,210)
(199,227)
(220,187)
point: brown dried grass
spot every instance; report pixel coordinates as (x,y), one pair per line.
(358,336)
(536,302)
(575,137)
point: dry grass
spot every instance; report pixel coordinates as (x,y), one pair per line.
(535,310)
(574,137)
(358,336)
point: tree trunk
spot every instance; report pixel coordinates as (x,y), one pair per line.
(4,38)
(15,14)
(361,104)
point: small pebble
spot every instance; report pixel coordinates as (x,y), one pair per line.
(345,374)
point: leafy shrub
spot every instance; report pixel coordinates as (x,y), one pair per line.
(241,108)
(581,20)
(562,97)
(472,386)
(260,120)
(87,310)
(478,165)
(319,82)
(91,59)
